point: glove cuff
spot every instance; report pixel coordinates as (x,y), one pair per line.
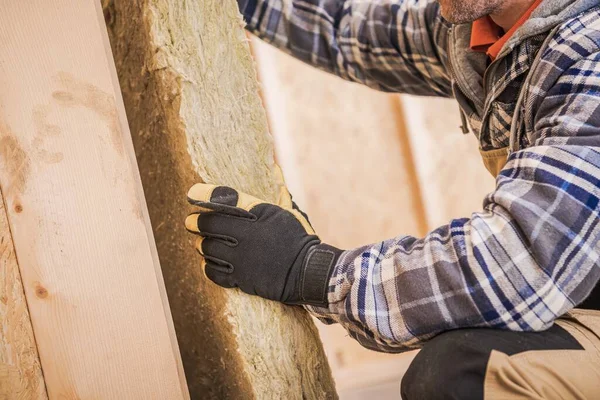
(317,269)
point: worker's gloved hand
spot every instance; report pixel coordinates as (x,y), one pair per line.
(264,249)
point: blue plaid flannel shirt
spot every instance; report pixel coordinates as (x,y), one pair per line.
(533,253)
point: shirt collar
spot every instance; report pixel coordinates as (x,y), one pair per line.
(489,38)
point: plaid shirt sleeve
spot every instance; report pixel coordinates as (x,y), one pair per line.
(388,45)
(529,257)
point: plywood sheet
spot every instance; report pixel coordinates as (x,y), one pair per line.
(77,212)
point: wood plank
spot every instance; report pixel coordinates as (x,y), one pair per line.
(20,371)
(192,99)
(347,159)
(76,209)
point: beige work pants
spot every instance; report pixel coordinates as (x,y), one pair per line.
(551,374)
(560,363)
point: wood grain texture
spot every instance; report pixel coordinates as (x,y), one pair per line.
(20,371)
(191,94)
(76,209)
(347,160)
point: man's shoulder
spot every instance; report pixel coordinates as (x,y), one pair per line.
(574,40)
(569,56)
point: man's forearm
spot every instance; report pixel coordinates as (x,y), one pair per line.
(360,41)
(518,265)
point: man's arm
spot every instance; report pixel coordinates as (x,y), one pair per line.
(530,256)
(388,45)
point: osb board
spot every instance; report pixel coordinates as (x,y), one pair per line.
(347,160)
(191,94)
(20,371)
(453,180)
(76,209)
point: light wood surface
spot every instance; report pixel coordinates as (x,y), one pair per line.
(20,371)
(76,209)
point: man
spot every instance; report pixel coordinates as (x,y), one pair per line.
(502,303)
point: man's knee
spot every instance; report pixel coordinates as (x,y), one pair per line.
(450,366)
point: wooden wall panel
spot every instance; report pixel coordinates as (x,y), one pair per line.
(76,209)
(190,89)
(20,371)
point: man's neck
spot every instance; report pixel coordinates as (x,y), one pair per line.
(510,13)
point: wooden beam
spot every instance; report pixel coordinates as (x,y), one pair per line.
(192,98)
(20,370)
(76,209)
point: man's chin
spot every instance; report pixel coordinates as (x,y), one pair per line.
(457,15)
(453,17)
(457,20)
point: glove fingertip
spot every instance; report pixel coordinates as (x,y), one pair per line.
(200,192)
(225,195)
(191,223)
(199,245)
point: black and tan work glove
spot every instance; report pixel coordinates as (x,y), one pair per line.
(264,249)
